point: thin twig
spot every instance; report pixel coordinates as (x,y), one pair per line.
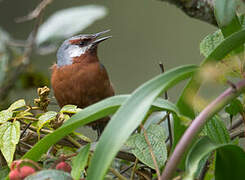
(214,107)
(126,169)
(204,170)
(73,141)
(30,43)
(36,12)
(152,153)
(163,119)
(168,116)
(24,130)
(134,169)
(236,124)
(142,174)
(121,177)
(240,134)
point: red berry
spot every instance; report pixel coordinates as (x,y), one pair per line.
(63,166)
(26,171)
(15,175)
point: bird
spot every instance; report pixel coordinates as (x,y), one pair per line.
(78,77)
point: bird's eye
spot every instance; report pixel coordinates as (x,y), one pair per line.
(81,43)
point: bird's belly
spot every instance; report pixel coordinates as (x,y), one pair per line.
(81,88)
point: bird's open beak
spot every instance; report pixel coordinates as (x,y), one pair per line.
(101,33)
(97,41)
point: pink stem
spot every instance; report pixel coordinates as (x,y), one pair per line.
(197,124)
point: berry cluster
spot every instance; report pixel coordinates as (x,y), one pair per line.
(18,171)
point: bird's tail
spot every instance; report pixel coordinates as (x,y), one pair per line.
(100,125)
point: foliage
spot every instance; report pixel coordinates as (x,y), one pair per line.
(46,139)
(139,147)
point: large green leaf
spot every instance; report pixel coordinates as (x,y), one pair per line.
(230,163)
(156,135)
(231,159)
(9,137)
(129,117)
(87,115)
(79,162)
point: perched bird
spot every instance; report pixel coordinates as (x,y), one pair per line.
(78,77)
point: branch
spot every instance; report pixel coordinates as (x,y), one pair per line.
(117,174)
(236,124)
(214,107)
(25,60)
(239,134)
(168,116)
(199,9)
(36,12)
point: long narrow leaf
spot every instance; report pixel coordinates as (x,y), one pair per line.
(87,115)
(129,117)
(79,162)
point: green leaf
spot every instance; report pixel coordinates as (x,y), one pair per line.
(9,137)
(49,174)
(5,115)
(79,18)
(45,118)
(216,130)
(230,163)
(69,109)
(225,11)
(129,117)
(97,111)
(205,146)
(79,162)
(234,108)
(210,42)
(139,147)
(17,104)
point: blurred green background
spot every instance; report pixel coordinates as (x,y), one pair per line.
(144,33)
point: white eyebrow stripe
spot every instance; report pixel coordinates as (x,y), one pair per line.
(76,51)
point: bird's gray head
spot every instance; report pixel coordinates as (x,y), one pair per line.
(77,46)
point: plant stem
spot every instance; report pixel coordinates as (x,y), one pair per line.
(134,169)
(121,177)
(168,116)
(214,107)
